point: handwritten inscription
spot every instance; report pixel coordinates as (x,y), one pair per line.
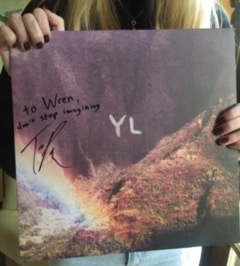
(53,108)
(50,110)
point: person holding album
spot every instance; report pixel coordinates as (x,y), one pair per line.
(32,30)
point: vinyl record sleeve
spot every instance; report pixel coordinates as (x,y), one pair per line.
(114,145)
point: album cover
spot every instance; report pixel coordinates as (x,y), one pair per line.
(114,144)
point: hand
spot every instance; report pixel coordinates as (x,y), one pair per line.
(227,128)
(32,29)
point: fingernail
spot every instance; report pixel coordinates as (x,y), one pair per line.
(217,131)
(27,46)
(224,140)
(46,38)
(220,120)
(39,45)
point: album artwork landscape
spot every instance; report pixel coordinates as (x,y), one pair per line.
(114,144)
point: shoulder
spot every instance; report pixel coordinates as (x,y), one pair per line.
(223,19)
(38,3)
(58,6)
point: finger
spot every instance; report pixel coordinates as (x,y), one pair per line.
(227,127)
(235,146)
(17,26)
(34,32)
(229,139)
(7,38)
(5,55)
(42,19)
(56,22)
(229,114)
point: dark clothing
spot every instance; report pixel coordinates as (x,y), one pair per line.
(7,158)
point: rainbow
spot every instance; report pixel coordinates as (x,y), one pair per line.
(74,196)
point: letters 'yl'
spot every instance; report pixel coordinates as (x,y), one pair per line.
(120,122)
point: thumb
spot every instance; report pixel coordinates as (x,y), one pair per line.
(56,22)
(5,55)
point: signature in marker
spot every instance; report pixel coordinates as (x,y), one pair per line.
(47,148)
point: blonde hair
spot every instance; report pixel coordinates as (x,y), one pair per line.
(168,14)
